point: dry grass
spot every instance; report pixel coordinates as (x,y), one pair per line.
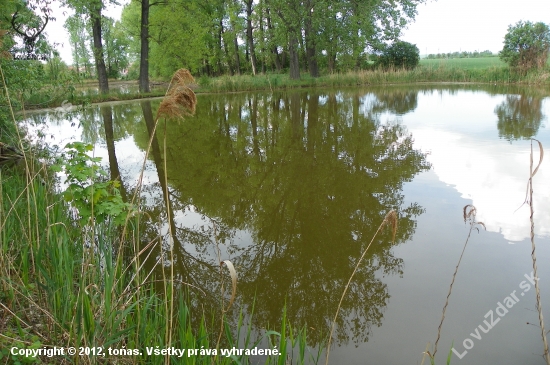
(180,100)
(469,214)
(533,246)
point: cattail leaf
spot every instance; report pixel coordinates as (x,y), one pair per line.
(540,156)
(233,274)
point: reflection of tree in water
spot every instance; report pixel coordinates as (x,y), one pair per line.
(398,101)
(519,117)
(191,269)
(311,178)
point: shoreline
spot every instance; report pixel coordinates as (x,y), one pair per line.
(424,75)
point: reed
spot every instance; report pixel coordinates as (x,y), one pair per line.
(421,74)
(529,200)
(389,220)
(469,215)
(430,72)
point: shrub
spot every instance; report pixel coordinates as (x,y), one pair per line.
(526,45)
(400,54)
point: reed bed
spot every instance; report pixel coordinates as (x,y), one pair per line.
(428,73)
(421,74)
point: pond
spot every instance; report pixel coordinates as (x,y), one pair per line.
(292,187)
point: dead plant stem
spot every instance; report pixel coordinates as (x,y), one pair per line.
(533,255)
(391,218)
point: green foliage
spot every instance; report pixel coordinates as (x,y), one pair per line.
(23,80)
(400,55)
(80,43)
(32,343)
(116,45)
(463,54)
(202,36)
(88,189)
(526,45)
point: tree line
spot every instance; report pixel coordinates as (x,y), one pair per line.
(464,54)
(231,37)
(217,37)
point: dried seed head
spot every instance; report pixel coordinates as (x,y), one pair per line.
(391,220)
(180,100)
(182,77)
(469,212)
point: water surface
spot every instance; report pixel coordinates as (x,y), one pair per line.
(292,187)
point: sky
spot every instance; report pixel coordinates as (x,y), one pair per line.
(470,25)
(440,26)
(57,33)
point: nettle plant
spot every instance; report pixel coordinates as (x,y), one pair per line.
(89,190)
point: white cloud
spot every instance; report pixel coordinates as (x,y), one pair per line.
(452,25)
(466,154)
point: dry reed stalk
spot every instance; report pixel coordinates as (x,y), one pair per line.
(389,219)
(533,255)
(179,101)
(469,215)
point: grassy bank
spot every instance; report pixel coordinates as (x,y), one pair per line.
(422,74)
(59,290)
(77,280)
(482,70)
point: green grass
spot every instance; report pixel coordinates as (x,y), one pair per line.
(471,70)
(422,74)
(56,292)
(464,63)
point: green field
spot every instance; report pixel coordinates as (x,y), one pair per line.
(465,63)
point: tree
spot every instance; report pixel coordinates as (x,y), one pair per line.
(144,86)
(93,10)
(115,47)
(211,36)
(144,55)
(526,45)
(400,54)
(76,26)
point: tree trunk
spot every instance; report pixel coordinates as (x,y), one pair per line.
(237,58)
(331,61)
(107,114)
(226,51)
(144,56)
(262,37)
(76,58)
(95,14)
(310,44)
(276,56)
(250,40)
(294,61)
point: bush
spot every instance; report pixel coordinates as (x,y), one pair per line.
(526,46)
(400,54)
